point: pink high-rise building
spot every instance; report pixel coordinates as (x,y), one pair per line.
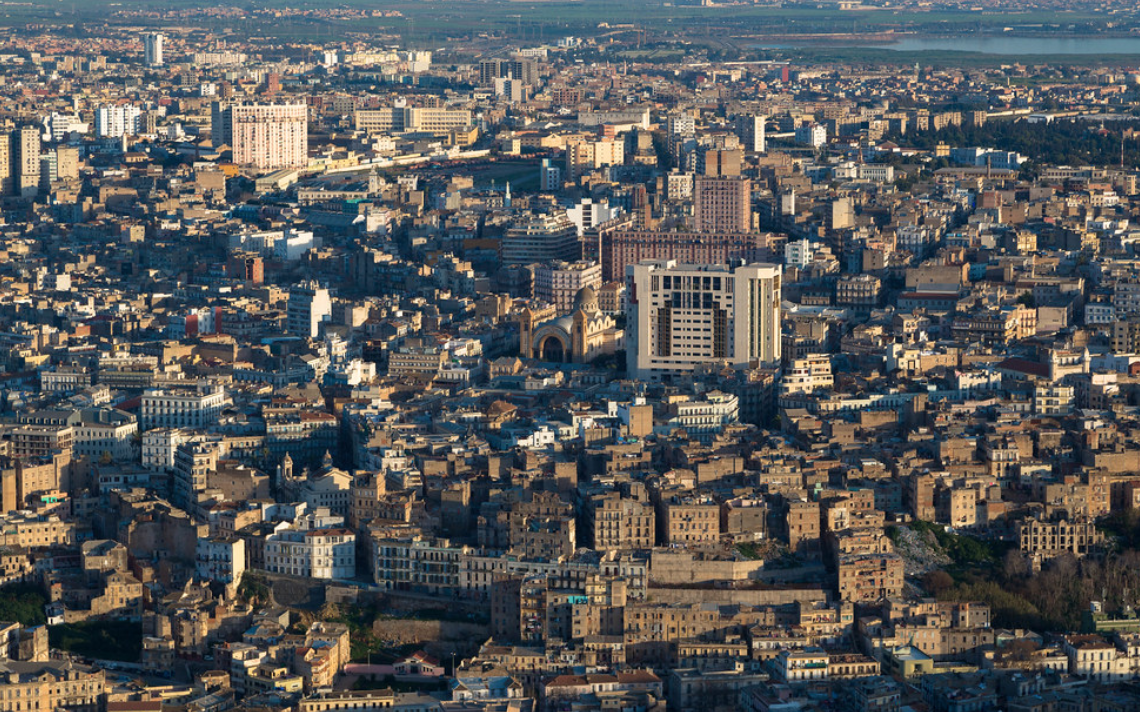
(266,137)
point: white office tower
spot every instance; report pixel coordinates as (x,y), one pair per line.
(798,253)
(682,315)
(59,127)
(113,121)
(419,61)
(267,137)
(152,46)
(680,130)
(309,305)
(750,131)
(549,177)
(587,214)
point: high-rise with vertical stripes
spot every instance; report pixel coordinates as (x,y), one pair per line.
(682,315)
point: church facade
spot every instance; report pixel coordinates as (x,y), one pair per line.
(579,337)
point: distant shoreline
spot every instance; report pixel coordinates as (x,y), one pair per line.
(877,39)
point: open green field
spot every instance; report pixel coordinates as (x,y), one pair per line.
(521,176)
(537,20)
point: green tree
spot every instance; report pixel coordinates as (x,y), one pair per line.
(22,603)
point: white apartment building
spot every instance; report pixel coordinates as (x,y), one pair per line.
(106,432)
(682,315)
(309,305)
(112,121)
(541,238)
(244,661)
(1053,400)
(182,408)
(806,375)
(1095,658)
(313,553)
(870,172)
(622,119)
(427,564)
(397,119)
(58,126)
(152,49)
(587,214)
(221,57)
(798,253)
(702,419)
(159,446)
(24,155)
(65,378)
(1126,298)
(286,245)
(750,129)
(1099,313)
(585,155)
(266,137)
(220,559)
(812,135)
(549,177)
(678,185)
(193,463)
(558,283)
(331,491)
(801,665)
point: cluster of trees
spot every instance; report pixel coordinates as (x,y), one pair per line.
(254,588)
(1052,599)
(23,604)
(1062,142)
(102,640)
(966,553)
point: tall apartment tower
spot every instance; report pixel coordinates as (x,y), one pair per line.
(842,213)
(520,68)
(751,132)
(722,203)
(266,137)
(114,120)
(679,129)
(682,315)
(24,154)
(309,305)
(152,49)
(541,238)
(6,182)
(721,162)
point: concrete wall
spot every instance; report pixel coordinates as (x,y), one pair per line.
(773,597)
(681,567)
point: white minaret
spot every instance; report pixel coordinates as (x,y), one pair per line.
(152,44)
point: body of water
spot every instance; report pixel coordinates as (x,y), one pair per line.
(996,44)
(989,44)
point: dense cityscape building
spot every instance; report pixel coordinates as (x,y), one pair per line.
(697,356)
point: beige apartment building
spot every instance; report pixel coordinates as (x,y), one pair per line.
(722,204)
(687,520)
(621,523)
(29,686)
(870,577)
